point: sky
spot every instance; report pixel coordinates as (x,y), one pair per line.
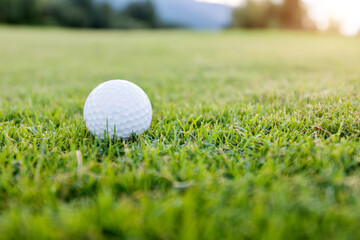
(346,12)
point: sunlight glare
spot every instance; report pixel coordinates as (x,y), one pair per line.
(346,12)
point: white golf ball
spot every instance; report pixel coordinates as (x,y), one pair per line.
(117,108)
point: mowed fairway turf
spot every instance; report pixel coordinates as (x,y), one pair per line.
(254,135)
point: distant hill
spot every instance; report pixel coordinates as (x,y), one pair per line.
(187,13)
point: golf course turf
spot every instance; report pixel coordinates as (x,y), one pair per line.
(255,135)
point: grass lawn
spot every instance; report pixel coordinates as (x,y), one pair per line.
(254,135)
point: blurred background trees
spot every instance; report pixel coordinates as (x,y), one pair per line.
(79,14)
(257,14)
(142,14)
(19,11)
(269,14)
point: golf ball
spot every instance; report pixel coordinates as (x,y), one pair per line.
(117,108)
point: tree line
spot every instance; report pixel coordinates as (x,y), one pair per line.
(79,14)
(291,14)
(142,14)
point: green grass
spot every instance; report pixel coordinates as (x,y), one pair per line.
(254,135)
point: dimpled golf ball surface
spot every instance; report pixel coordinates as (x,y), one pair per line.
(118,108)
